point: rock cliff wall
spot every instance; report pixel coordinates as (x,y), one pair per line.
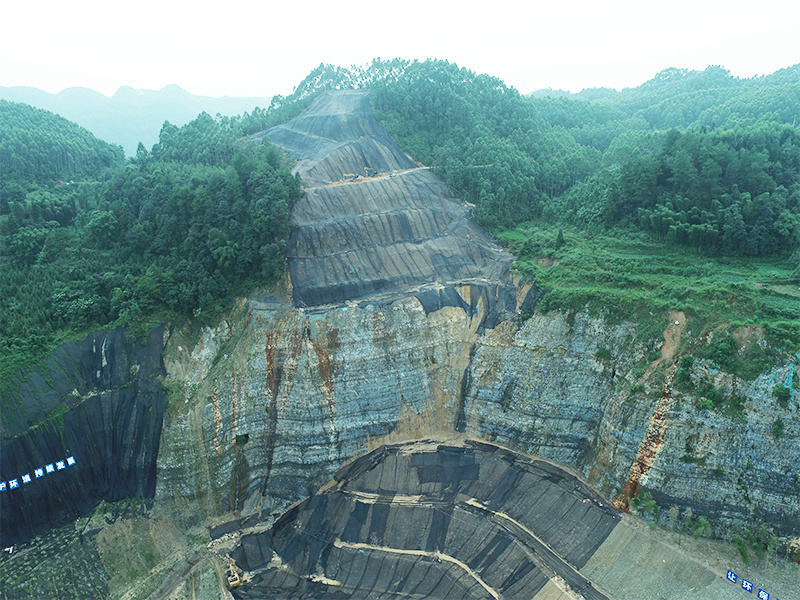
(292,396)
(543,390)
(412,333)
(416,338)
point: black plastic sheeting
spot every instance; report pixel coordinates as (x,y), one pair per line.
(112,428)
(383,529)
(384,238)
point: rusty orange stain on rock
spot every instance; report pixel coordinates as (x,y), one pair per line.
(652,443)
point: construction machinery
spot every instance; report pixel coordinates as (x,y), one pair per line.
(233,576)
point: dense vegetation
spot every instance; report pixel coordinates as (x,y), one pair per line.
(686,205)
(483,137)
(674,98)
(99,242)
(90,240)
(734,191)
(39,146)
(627,274)
(728,180)
(486,140)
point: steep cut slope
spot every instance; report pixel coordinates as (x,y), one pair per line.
(338,134)
(84,427)
(428,519)
(381,237)
(267,405)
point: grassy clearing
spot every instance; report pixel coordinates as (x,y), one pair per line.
(627,275)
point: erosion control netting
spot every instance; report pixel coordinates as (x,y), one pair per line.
(338,134)
(395,233)
(101,408)
(428,520)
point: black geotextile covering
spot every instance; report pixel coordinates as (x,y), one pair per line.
(98,401)
(503,520)
(383,238)
(338,134)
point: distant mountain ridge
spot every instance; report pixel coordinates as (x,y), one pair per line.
(130,116)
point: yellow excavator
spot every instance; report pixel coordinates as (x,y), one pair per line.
(233,576)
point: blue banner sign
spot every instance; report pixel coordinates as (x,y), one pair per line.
(38,472)
(747,586)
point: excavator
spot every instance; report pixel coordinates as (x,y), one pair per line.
(233,576)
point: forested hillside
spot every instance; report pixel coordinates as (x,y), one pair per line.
(728,168)
(38,146)
(733,191)
(675,98)
(91,241)
(129,116)
(695,162)
(722,185)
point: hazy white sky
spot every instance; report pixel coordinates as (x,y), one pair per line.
(261,48)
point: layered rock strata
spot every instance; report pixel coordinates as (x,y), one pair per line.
(543,390)
(279,398)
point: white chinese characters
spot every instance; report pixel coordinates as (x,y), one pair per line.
(13,484)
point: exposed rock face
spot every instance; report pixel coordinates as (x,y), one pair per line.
(309,392)
(413,342)
(97,401)
(381,238)
(543,390)
(279,398)
(312,390)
